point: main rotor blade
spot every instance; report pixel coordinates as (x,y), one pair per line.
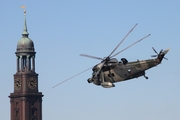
(84,55)
(123,40)
(131,45)
(72,77)
(165,58)
(100,68)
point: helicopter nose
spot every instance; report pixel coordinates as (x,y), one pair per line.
(90,80)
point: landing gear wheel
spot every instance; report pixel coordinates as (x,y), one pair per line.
(146,77)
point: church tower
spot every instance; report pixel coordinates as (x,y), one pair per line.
(26,100)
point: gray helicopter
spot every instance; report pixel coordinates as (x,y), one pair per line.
(110,70)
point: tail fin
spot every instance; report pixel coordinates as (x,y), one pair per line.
(162,54)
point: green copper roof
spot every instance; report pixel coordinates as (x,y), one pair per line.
(25,44)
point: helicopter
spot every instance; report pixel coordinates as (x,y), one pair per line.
(110,70)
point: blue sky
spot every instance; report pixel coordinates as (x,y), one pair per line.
(62,30)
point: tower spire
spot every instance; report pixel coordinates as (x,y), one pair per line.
(25,32)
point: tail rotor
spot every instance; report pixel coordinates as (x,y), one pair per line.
(158,54)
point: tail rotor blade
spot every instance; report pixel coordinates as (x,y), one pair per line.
(165,58)
(161,51)
(153,55)
(154,50)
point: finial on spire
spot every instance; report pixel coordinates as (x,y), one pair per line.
(24,7)
(25,33)
(24,11)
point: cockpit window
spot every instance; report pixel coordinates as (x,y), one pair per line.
(94,72)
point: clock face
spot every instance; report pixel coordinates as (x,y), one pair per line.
(32,83)
(17,84)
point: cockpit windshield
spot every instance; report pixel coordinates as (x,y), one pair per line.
(94,72)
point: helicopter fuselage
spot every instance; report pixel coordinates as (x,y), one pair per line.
(117,72)
(113,71)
